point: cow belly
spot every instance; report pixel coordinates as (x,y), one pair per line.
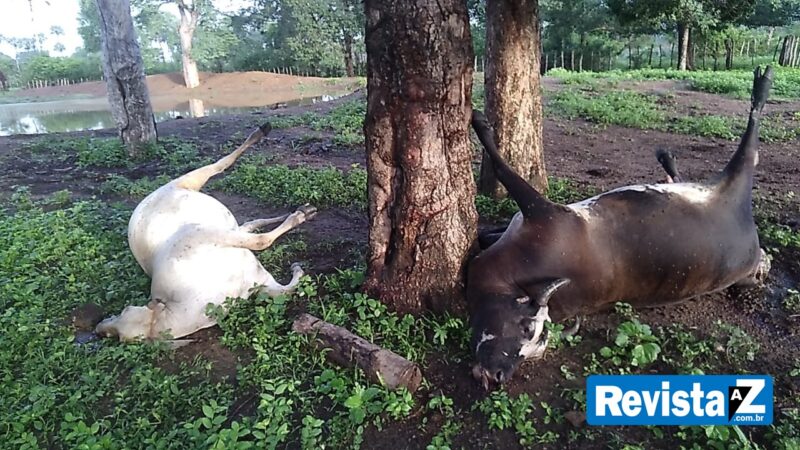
(680,271)
(159,216)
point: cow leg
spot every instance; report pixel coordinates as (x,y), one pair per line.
(273,288)
(197,178)
(573,330)
(261,241)
(759,275)
(255,225)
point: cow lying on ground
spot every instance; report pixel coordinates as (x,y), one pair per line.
(196,254)
(647,245)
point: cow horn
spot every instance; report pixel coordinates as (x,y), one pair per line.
(551,289)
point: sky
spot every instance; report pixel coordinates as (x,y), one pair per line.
(16,20)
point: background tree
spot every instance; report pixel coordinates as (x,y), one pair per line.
(513,94)
(477,21)
(124,72)
(190,11)
(422,217)
(686,16)
(214,41)
(325,37)
(157,32)
(89,26)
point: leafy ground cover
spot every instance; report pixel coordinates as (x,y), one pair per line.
(650,112)
(735,83)
(253,383)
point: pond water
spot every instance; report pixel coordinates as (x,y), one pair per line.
(93,114)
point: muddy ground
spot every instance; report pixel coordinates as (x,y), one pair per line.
(601,158)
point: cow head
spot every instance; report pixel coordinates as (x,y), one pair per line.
(509,330)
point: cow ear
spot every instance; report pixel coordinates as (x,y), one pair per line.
(550,290)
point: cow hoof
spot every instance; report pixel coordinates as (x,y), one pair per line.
(764,265)
(296,268)
(307,211)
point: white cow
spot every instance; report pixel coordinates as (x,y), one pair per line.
(196,254)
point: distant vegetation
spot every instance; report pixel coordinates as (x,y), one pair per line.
(735,83)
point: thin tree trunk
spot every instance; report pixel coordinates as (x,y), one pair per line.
(348,55)
(660,55)
(650,57)
(683,46)
(716,54)
(671,54)
(422,219)
(124,73)
(703,56)
(513,96)
(630,54)
(188,23)
(728,54)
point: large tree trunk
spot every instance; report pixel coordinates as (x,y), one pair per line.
(683,46)
(189,17)
(422,218)
(123,69)
(513,96)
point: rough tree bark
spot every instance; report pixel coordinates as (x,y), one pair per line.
(728,54)
(683,46)
(190,15)
(124,73)
(422,218)
(348,55)
(513,95)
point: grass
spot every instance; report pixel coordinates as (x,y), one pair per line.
(136,189)
(284,186)
(176,155)
(345,120)
(643,111)
(634,347)
(734,83)
(792,301)
(108,395)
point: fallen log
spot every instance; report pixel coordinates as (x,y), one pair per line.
(348,350)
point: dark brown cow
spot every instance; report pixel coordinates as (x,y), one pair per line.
(647,245)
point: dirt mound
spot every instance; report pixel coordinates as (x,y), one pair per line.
(222,89)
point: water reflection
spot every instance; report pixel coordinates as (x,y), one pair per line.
(196,108)
(78,115)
